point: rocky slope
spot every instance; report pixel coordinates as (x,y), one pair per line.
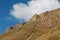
(45,26)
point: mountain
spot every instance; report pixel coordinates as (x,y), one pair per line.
(45,26)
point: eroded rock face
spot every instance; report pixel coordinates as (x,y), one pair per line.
(48,18)
(45,26)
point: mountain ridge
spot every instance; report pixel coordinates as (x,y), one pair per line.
(45,26)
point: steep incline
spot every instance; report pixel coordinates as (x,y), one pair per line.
(45,26)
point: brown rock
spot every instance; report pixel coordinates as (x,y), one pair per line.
(45,26)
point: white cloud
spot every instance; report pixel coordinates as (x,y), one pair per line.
(24,11)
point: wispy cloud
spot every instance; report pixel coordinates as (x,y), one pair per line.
(0,27)
(24,11)
(7,18)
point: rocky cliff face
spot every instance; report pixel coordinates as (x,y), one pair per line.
(45,26)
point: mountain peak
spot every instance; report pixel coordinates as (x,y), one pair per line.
(34,18)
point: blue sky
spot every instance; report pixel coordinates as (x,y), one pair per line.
(6,19)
